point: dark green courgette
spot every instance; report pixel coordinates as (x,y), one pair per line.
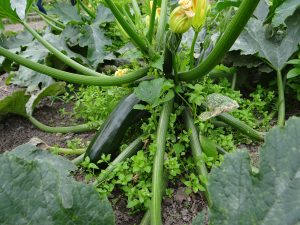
(108,139)
(132,149)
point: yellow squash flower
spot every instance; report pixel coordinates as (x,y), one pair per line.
(181,17)
(121,72)
(200,8)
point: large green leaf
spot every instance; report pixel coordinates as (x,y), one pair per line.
(35,190)
(66,13)
(271,197)
(31,153)
(93,37)
(13,103)
(104,15)
(15,9)
(20,40)
(20,103)
(14,43)
(254,41)
(25,77)
(285,10)
(51,90)
(150,91)
(60,44)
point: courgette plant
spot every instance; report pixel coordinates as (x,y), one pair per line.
(161,42)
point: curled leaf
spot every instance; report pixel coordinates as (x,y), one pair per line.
(218,104)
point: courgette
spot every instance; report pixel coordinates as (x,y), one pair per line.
(108,139)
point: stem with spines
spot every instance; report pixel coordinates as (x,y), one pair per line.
(152,22)
(73,77)
(281,100)
(132,33)
(196,149)
(158,164)
(58,23)
(87,10)
(192,61)
(162,24)
(71,129)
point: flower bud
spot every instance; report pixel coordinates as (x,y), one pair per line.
(181,19)
(200,8)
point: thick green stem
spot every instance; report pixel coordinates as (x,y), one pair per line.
(54,27)
(72,77)
(147,216)
(129,29)
(86,9)
(136,8)
(281,100)
(127,153)
(231,33)
(45,16)
(158,164)
(241,126)
(67,151)
(196,149)
(78,159)
(71,129)
(70,62)
(192,59)
(233,83)
(162,24)
(152,22)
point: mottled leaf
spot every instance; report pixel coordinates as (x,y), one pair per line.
(20,103)
(254,41)
(285,10)
(25,77)
(217,104)
(271,197)
(94,38)
(62,46)
(31,153)
(14,103)
(35,190)
(20,40)
(200,219)
(66,12)
(104,15)
(261,10)
(71,34)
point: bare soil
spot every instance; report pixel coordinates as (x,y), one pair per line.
(37,25)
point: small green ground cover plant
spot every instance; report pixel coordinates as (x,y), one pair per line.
(190,120)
